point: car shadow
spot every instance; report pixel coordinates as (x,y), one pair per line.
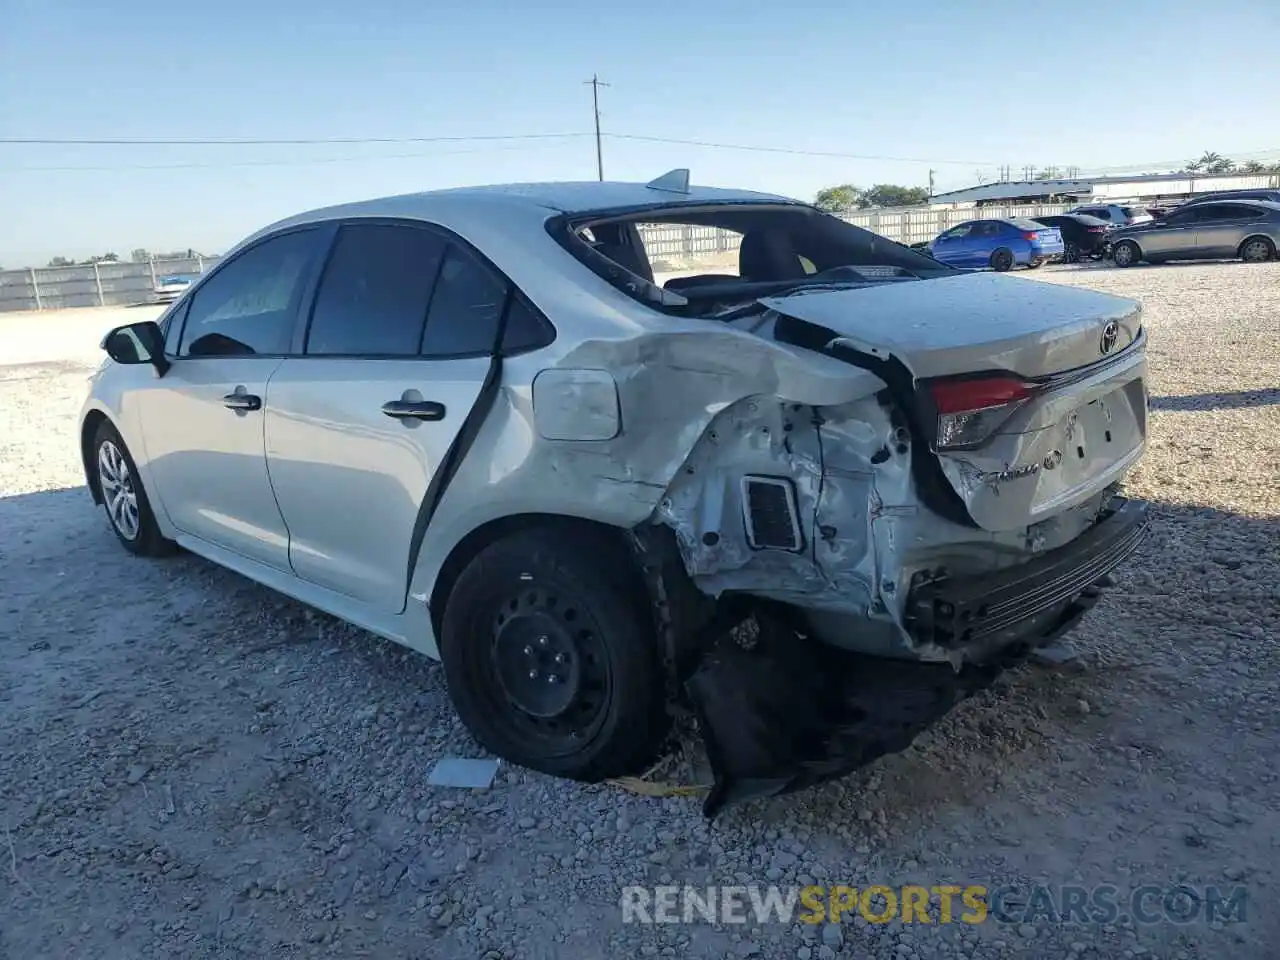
(1234,400)
(49,533)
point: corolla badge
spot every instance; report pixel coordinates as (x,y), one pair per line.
(1110,337)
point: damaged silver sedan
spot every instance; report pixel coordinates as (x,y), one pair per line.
(816,496)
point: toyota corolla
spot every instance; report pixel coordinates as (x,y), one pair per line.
(476,423)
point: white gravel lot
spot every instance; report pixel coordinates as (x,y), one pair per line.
(192,766)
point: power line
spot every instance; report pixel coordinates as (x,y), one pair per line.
(221,165)
(255,142)
(795,151)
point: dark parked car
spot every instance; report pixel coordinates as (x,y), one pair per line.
(1082,236)
(1248,229)
(1271,196)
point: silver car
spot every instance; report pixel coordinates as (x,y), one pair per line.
(1247,229)
(475,423)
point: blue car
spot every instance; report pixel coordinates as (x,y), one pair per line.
(998,244)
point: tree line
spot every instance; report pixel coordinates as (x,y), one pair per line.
(140,255)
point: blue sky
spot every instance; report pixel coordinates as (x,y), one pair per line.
(978,83)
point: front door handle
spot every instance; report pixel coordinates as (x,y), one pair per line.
(414,409)
(242,401)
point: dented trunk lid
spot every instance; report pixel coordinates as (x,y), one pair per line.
(970,322)
(1084,427)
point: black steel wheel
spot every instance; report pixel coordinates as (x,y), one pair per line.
(550,655)
(1002,260)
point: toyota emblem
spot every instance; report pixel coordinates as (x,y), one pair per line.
(1110,335)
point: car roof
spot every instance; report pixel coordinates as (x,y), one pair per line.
(565,197)
(1230,195)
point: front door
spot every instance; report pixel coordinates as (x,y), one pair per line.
(357,427)
(1175,236)
(203,420)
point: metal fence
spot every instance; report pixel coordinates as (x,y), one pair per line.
(104,284)
(905,224)
(914,224)
(125,284)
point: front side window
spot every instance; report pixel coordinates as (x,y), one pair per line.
(246,307)
(373,297)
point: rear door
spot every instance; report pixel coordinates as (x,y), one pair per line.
(1221,227)
(396,352)
(983,240)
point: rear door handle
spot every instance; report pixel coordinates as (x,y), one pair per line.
(414,410)
(242,401)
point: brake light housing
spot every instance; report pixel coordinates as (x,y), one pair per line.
(1030,235)
(971,409)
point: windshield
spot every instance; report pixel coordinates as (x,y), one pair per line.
(705,259)
(1024,224)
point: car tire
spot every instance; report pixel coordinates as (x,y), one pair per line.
(123,497)
(1002,260)
(1125,253)
(1257,250)
(1070,253)
(551,657)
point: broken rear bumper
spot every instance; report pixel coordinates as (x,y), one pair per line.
(786,712)
(988,612)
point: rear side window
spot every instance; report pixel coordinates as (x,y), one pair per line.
(374,294)
(465,308)
(1132,212)
(1225,211)
(247,306)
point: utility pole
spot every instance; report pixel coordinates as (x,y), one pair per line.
(596,83)
(931,173)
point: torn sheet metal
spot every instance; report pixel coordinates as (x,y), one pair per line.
(789,713)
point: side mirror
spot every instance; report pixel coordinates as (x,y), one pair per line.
(141,342)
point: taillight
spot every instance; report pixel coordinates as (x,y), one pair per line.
(970,410)
(1096,229)
(1030,235)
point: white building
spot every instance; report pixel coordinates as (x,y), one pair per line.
(1147,188)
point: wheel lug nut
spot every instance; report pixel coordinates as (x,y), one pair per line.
(559,658)
(533,674)
(542,641)
(552,678)
(528,651)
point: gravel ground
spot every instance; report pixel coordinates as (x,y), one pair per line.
(192,766)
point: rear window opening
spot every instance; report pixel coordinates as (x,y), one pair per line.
(711,260)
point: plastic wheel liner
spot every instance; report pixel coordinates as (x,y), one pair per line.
(781,713)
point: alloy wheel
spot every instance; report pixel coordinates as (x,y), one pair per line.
(118,492)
